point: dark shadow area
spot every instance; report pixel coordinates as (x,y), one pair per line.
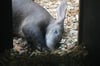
(5,25)
(89,29)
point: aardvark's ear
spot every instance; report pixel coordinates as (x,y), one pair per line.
(61,10)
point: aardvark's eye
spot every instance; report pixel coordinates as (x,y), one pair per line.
(56,32)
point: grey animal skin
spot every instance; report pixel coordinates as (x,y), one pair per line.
(36,25)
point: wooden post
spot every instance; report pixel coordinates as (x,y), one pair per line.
(5,25)
(89,32)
